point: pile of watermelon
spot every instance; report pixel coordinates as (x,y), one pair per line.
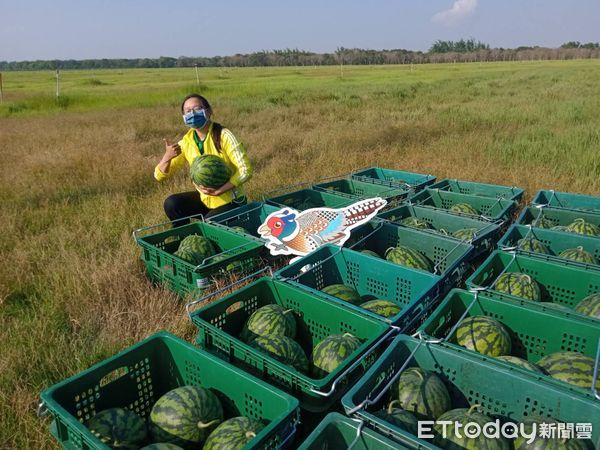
(490,337)
(184,417)
(578,226)
(578,254)
(382,307)
(271,329)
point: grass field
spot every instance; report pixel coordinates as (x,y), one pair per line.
(77,179)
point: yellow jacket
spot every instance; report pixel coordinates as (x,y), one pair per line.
(232,152)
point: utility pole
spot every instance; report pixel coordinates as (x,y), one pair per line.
(197,75)
(57,83)
(1,93)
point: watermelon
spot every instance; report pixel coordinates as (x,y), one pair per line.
(185,416)
(161,446)
(560,228)
(465,234)
(370,253)
(464,208)
(332,351)
(570,367)
(532,245)
(197,248)
(406,256)
(578,254)
(520,362)
(542,222)
(452,441)
(269,320)
(233,434)
(542,443)
(399,417)
(590,306)
(119,428)
(209,171)
(240,229)
(384,308)
(519,285)
(484,335)
(343,292)
(414,222)
(422,393)
(188,255)
(580,226)
(284,349)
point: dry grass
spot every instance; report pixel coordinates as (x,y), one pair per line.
(77,181)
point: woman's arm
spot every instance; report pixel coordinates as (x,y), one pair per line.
(171,160)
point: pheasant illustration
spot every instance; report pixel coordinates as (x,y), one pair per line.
(299,233)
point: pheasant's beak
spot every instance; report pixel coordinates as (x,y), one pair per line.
(264,230)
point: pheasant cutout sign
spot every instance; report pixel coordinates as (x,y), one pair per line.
(291,232)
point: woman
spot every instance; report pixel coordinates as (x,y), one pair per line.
(204,138)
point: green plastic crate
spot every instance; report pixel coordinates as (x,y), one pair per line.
(479,189)
(309,198)
(560,284)
(492,209)
(501,392)
(360,190)
(531,336)
(249,217)
(181,276)
(339,432)
(484,240)
(391,177)
(413,290)
(567,200)
(555,241)
(564,217)
(220,323)
(138,376)
(449,256)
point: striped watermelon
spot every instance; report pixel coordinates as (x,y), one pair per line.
(465,234)
(541,443)
(521,363)
(452,441)
(161,446)
(240,229)
(590,306)
(422,393)
(199,247)
(578,254)
(570,367)
(283,349)
(119,428)
(464,208)
(269,320)
(209,171)
(332,351)
(532,245)
(185,416)
(406,256)
(343,292)
(580,226)
(560,228)
(519,285)
(233,434)
(415,222)
(399,417)
(484,335)
(384,308)
(541,222)
(370,253)
(187,255)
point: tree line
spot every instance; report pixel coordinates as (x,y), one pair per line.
(440,52)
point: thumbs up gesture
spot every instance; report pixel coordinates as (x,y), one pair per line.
(171,150)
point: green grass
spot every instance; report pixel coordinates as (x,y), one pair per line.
(77,179)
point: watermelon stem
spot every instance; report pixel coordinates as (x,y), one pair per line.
(388,250)
(250,435)
(473,408)
(203,425)
(391,405)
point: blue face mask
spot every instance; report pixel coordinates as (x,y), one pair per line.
(195,119)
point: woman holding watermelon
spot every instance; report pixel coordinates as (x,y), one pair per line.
(204,138)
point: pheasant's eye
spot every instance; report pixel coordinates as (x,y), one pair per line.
(277,225)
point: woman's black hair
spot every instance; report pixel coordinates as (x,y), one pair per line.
(217,127)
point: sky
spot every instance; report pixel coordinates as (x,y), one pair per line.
(90,29)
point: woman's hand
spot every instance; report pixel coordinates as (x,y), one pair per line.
(171,151)
(214,191)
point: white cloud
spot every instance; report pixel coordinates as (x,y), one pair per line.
(459,11)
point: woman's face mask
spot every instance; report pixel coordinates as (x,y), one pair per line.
(195,119)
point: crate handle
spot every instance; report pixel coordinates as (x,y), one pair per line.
(437,265)
(595,376)
(285,188)
(364,238)
(552,195)
(393,330)
(218,254)
(237,216)
(502,272)
(452,330)
(516,248)
(359,429)
(206,297)
(290,436)
(367,401)
(42,410)
(343,176)
(162,224)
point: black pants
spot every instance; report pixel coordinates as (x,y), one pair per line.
(187,204)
